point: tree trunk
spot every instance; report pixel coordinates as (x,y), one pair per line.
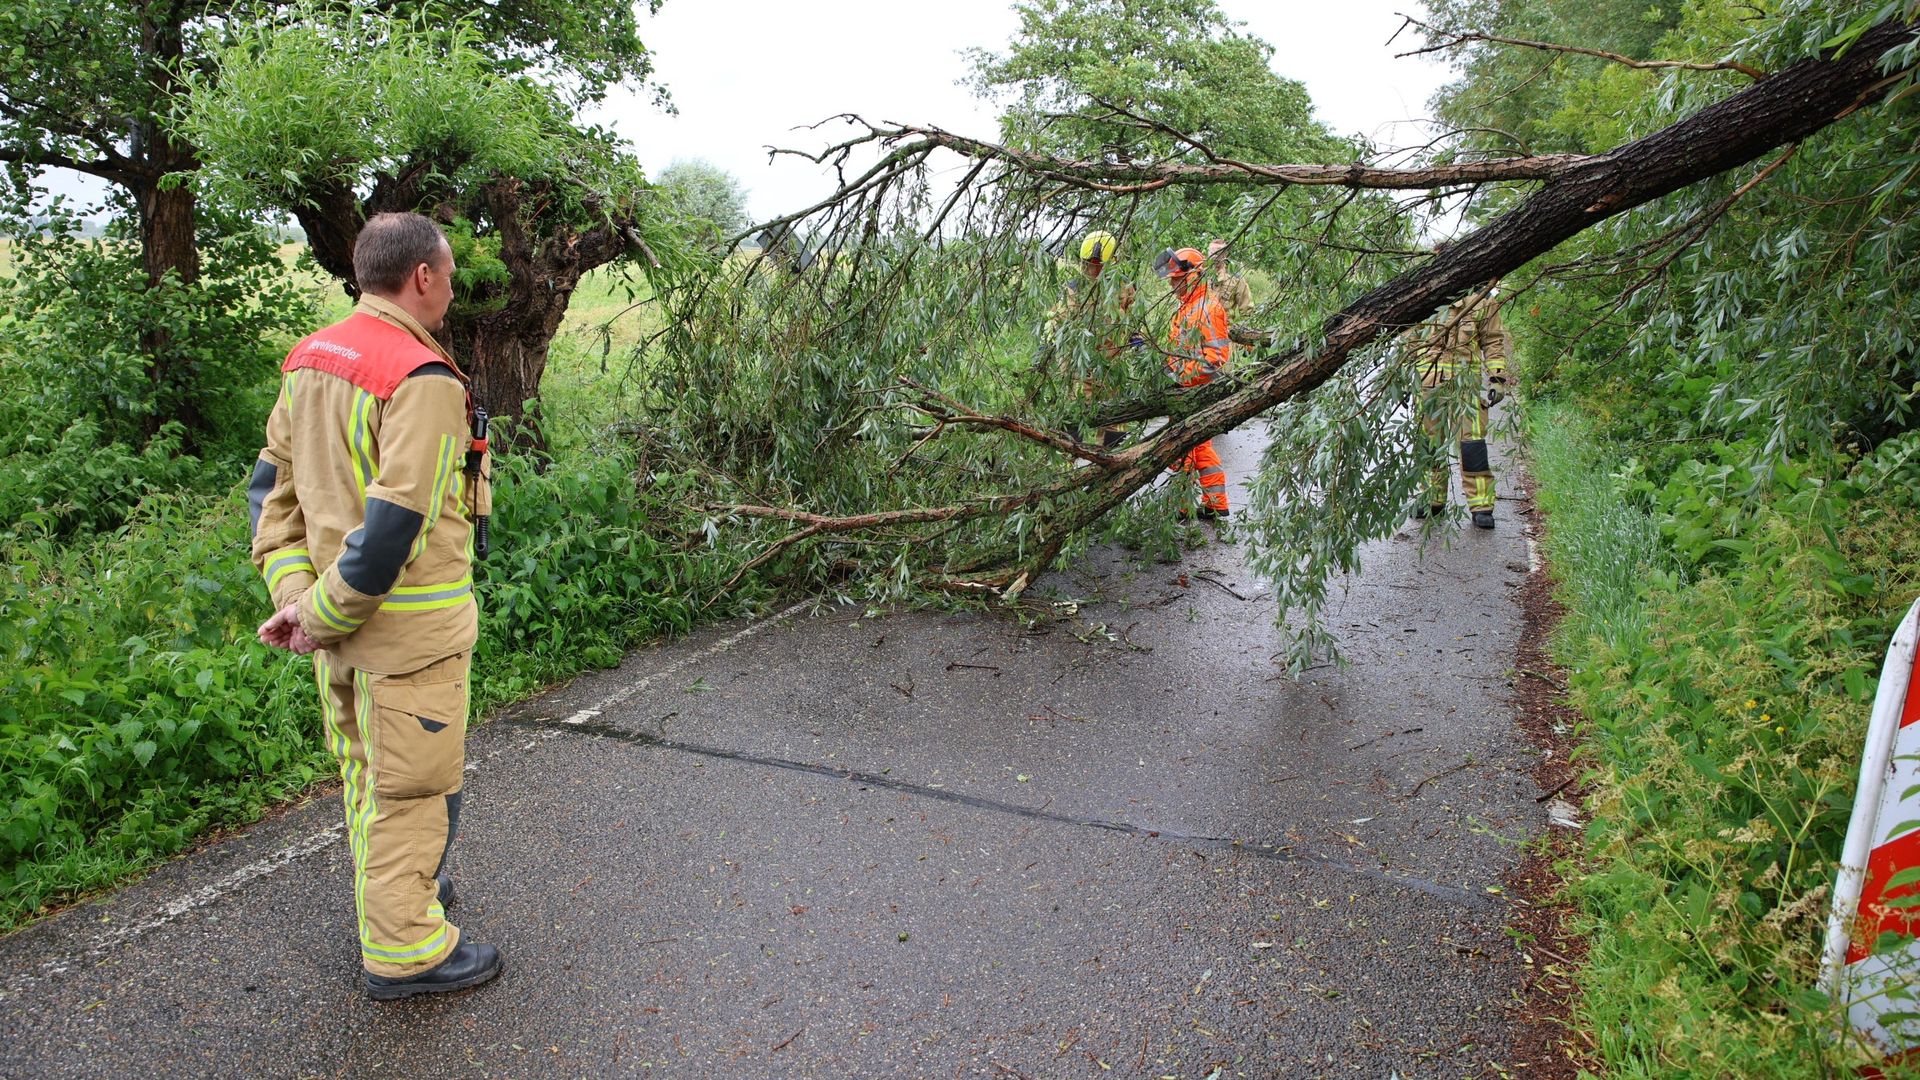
(171,257)
(167,224)
(505,353)
(168,245)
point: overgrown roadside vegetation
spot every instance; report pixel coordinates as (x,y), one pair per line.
(136,710)
(1722,426)
(1725,689)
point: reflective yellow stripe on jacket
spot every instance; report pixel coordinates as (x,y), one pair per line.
(429,597)
(286,562)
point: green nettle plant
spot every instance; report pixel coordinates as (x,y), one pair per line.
(84,426)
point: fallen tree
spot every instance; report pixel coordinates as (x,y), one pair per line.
(1574,193)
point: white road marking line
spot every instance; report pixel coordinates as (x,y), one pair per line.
(1533,555)
(626,692)
(105,943)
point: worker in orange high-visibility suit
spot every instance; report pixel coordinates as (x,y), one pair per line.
(1197,349)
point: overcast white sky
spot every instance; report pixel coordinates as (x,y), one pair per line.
(745,73)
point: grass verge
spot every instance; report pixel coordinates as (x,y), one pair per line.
(1724,689)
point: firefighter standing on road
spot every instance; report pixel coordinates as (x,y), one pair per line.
(1468,337)
(1075,306)
(361,523)
(1197,350)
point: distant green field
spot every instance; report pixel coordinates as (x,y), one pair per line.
(590,370)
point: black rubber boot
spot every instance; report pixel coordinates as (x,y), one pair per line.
(1208,513)
(1483,519)
(447,894)
(1428,510)
(470,965)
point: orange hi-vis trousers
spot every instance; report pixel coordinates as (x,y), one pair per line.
(1204,464)
(401,743)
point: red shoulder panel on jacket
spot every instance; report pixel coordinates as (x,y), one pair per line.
(370,353)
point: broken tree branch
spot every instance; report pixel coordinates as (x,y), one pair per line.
(1456,38)
(1126,177)
(947,412)
(1780,110)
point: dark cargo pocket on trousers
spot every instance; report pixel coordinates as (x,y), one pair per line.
(420,730)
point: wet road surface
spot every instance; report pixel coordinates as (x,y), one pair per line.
(1116,842)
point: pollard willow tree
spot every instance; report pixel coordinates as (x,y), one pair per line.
(341,116)
(92,86)
(335,119)
(873,400)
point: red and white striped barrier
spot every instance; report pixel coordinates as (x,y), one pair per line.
(1880,865)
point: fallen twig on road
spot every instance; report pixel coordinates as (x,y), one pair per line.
(1564,785)
(1443,772)
(1385,735)
(1222,585)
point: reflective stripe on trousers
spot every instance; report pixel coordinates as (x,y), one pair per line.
(400,743)
(1476,479)
(1203,462)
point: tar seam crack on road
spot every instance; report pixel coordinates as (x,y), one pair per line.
(601,730)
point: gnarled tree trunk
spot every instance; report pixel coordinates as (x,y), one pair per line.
(168,246)
(502,338)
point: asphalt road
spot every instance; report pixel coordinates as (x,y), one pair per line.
(1117,842)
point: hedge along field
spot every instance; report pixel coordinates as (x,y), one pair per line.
(137,711)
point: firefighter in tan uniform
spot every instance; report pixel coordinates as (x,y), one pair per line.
(1468,338)
(1077,305)
(363,504)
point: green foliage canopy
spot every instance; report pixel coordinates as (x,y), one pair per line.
(85,81)
(1763,309)
(1178,63)
(344,115)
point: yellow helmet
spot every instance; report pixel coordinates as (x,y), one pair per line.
(1099,246)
